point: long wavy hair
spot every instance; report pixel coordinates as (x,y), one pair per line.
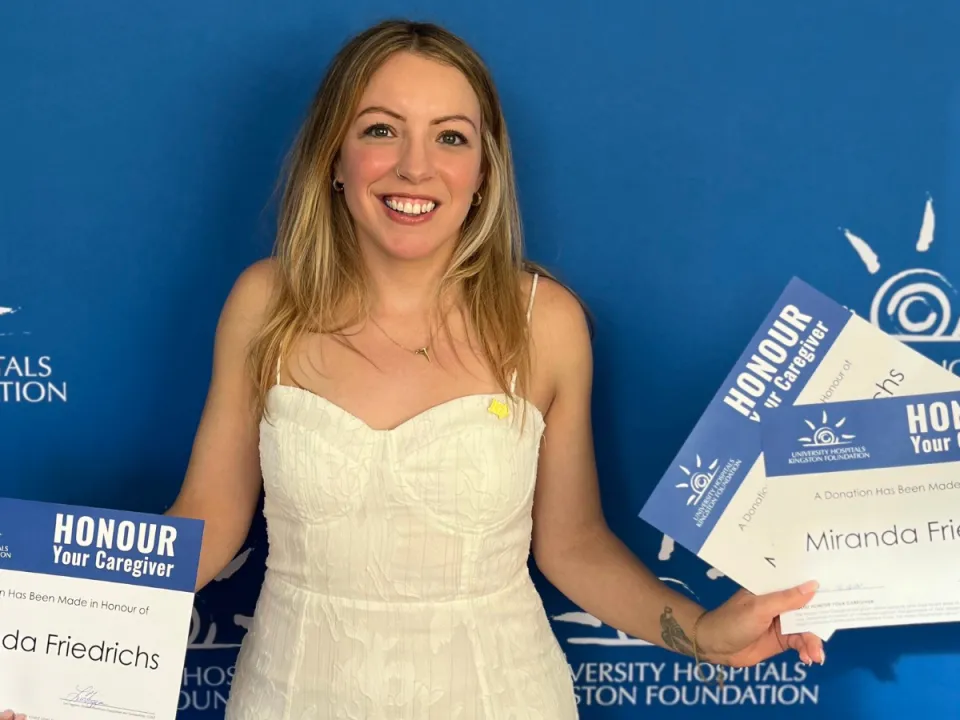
(321,280)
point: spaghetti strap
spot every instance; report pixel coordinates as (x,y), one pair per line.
(533,293)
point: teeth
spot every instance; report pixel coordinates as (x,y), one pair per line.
(410,208)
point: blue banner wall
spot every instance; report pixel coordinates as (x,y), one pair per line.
(678,163)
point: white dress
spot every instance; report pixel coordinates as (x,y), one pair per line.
(397,584)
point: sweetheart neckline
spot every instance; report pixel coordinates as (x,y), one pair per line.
(412,419)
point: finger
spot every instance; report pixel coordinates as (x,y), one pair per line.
(790,599)
(796,642)
(778,634)
(7,715)
(814,646)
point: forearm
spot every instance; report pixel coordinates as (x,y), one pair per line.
(600,575)
(222,539)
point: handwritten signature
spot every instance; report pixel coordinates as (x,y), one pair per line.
(85,696)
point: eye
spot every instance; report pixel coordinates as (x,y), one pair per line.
(378,130)
(451,137)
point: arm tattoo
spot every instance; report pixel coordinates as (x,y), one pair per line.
(673,635)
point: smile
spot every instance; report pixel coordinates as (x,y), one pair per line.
(410,207)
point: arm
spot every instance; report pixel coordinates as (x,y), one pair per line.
(578,553)
(222,483)
(572,544)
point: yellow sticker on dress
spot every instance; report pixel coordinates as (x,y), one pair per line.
(499,408)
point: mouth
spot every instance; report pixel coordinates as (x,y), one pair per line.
(409,208)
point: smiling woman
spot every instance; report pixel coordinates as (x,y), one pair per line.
(414,398)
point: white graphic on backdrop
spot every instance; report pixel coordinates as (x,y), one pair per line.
(668,546)
(209,641)
(26,379)
(6,311)
(916,304)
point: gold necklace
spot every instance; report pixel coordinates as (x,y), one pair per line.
(425,350)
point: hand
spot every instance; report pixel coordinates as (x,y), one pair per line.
(10,715)
(745,630)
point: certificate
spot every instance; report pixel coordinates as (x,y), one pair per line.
(866,496)
(95,608)
(808,350)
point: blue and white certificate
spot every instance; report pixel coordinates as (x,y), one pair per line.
(867,500)
(809,350)
(95,610)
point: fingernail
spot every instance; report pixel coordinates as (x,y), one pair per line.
(809,586)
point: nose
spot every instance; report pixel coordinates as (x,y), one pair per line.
(415,163)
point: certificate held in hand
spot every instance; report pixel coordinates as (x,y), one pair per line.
(866,500)
(713,499)
(95,609)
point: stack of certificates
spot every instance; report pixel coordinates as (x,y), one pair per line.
(830,453)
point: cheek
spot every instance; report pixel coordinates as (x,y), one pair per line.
(364,164)
(462,174)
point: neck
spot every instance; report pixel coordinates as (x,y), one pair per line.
(405,288)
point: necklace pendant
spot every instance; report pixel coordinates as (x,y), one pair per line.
(423,351)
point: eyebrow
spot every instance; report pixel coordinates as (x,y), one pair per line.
(435,121)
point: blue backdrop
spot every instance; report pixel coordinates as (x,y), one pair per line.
(678,162)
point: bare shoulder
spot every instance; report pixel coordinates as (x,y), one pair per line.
(250,296)
(561,332)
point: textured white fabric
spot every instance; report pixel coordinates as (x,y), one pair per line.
(397,584)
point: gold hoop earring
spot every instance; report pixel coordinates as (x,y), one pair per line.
(478,198)
(337,186)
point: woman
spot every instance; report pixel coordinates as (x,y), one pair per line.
(420,413)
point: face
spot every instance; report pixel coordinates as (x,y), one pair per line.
(411,161)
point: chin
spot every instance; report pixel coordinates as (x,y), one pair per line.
(411,248)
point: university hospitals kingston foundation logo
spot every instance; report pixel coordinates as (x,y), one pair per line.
(700,480)
(827,442)
(705,484)
(826,434)
(915,304)
(25,378)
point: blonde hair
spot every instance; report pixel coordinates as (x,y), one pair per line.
(320,273)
